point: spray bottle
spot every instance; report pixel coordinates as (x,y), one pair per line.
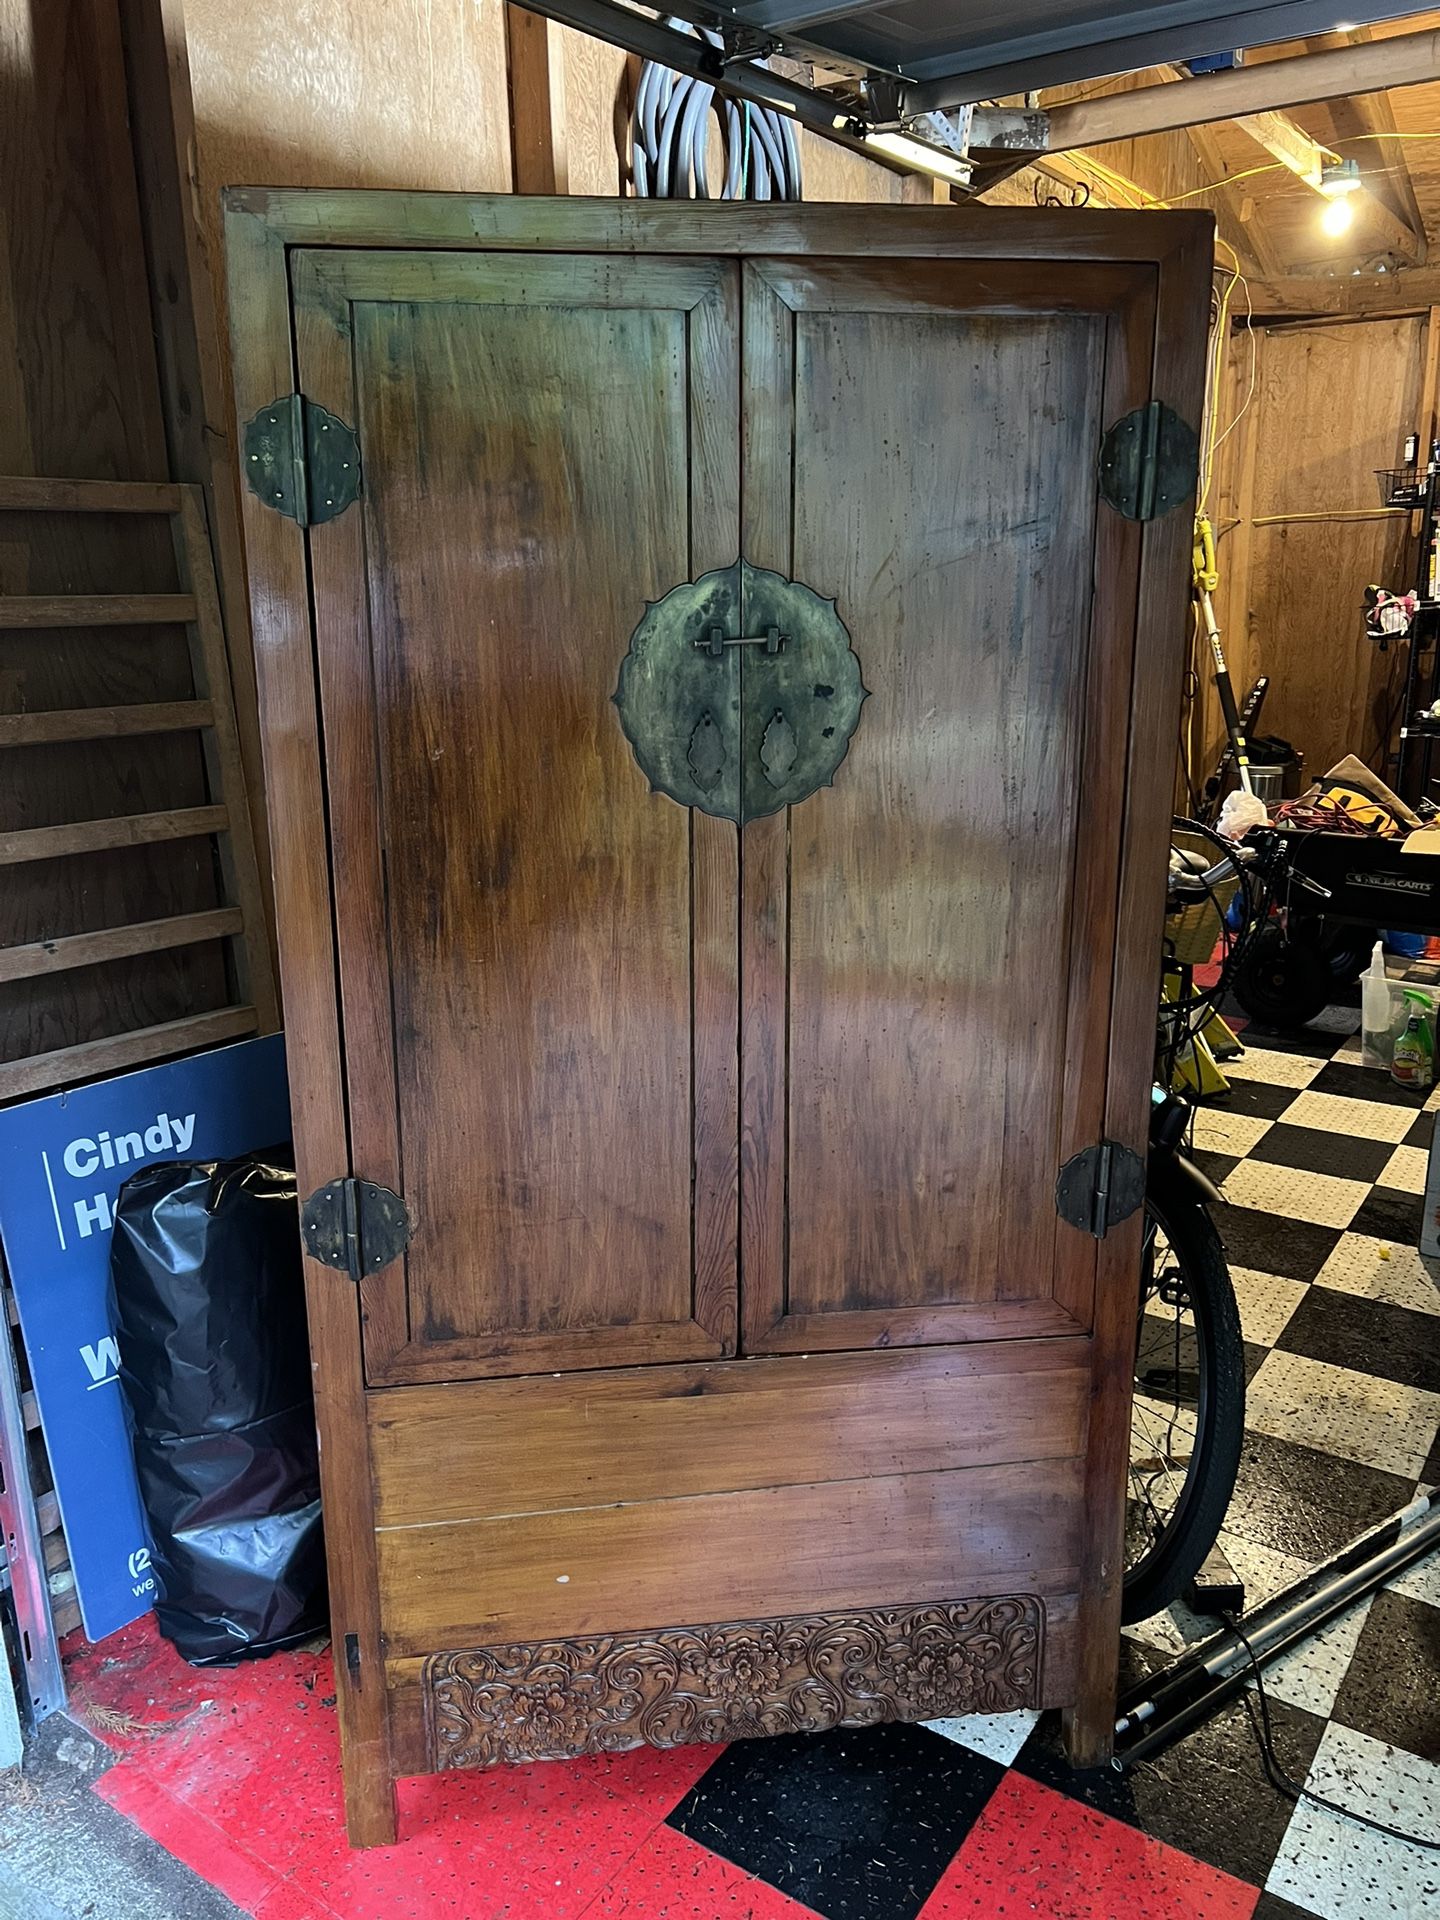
(1413,1065)
(1375,1006)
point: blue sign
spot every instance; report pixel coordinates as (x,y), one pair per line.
(63,1159)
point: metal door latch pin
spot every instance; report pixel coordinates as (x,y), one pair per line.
(715,640)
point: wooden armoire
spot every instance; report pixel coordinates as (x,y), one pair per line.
(719,671)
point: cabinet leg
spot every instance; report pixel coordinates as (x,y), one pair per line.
(371,1816)
(1089,1730)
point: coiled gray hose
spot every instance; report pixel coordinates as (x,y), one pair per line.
(670,134)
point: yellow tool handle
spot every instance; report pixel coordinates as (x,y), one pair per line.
(1205,572)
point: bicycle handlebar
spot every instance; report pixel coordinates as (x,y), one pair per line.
(1191,879)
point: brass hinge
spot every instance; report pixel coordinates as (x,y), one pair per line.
(301,460)
(1149,462)
(1100,1187)
(355,1226)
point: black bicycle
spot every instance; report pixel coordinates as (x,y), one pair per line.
(1188,1410)
(1187,1415)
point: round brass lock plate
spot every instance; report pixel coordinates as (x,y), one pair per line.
(740,692)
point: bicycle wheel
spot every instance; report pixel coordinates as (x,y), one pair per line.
(1188,1415)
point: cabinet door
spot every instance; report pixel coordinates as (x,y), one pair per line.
(537,955)
(929,945)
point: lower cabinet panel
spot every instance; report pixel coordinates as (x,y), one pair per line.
(705,1552)
(559,1699)
(733,1556)
(551,1700)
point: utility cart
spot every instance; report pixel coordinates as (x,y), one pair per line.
(1344,887)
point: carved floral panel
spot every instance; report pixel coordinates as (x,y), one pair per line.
(553,1699)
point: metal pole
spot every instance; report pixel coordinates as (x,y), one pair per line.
(1169,1704)
(42,1679)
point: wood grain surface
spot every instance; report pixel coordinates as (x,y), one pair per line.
(554,1444)
(910,1537)
(260,319)
(913,998)
(552,977)
(1167,355)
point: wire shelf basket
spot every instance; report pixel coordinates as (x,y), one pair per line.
(1404,486)
(1191,936)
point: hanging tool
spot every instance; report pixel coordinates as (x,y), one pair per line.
(1204,580)
(1249,721)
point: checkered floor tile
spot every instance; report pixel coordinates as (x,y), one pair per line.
(1321,1164)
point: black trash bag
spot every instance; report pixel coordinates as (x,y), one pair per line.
(209,1308)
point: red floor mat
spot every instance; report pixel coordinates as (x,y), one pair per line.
(237,1773)
(674,1878)
(1035,1852)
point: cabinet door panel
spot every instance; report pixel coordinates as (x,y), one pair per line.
(923,1006)
(537,954)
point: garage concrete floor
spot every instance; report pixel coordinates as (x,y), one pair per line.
(66,1855)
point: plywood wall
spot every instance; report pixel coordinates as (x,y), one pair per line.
(369,93)
(346,93)
(1295,506)
(349,93)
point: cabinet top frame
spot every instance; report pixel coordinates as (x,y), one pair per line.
(370,217)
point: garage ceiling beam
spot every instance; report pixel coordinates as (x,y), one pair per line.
(1409,60)
(1349,296)
(1291,145)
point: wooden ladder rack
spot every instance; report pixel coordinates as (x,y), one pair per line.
(240,919)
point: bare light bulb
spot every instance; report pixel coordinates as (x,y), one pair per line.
(1337,217)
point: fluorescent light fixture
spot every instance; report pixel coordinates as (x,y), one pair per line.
(920,157)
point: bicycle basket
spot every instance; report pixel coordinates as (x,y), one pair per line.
(1192,935)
